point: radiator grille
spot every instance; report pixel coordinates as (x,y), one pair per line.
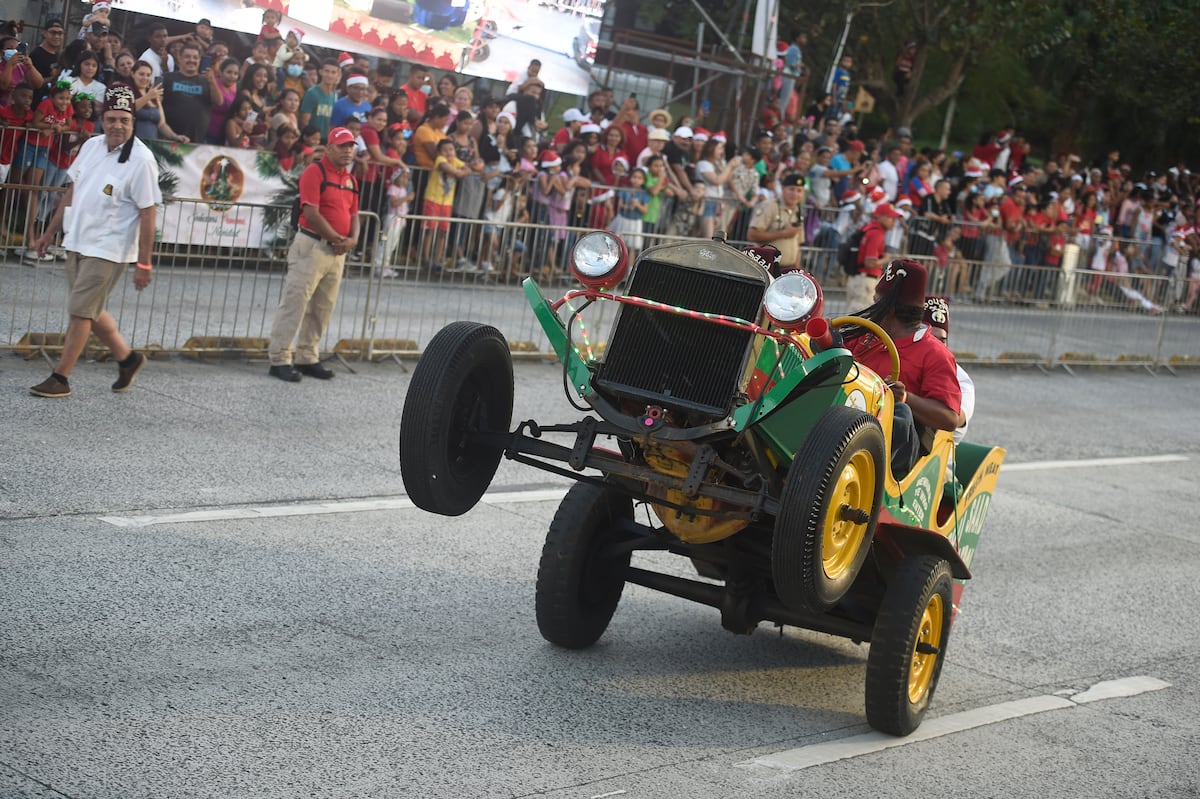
(677,361)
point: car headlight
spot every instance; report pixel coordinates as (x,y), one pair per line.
(792,299)
(599,260)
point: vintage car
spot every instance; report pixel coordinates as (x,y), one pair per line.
(725,403)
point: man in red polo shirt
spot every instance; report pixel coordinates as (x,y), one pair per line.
(328,230)
(928,392)
(872,257)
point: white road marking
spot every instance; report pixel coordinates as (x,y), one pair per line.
(318,509)
(1037,466)
(506,497)
(868,743)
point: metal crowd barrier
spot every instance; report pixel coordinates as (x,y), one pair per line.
(209,298)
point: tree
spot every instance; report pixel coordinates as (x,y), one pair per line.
(962,32)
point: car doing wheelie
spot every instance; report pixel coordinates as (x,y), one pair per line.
(725,403)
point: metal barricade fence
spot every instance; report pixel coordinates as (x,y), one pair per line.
(209,297)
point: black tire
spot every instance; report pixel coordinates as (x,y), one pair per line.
(818,547)
(577,588)
(916,610)
(463,384)
(481,53)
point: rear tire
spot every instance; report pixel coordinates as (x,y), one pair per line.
(916,612)
(828,510)
(462,385)
(578,587)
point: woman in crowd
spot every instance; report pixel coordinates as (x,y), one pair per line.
(463,100)
(239,125)
(602,159)
(149,121)
(256,86)
(223,89)
(124,70)
(84,80)
(445,89)
(286,113)
(713,172)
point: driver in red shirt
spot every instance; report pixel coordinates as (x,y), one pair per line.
(928,391)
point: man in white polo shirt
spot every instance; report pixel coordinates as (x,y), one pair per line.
(108,219)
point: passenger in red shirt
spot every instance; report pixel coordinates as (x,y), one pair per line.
(418,89)
(928,392)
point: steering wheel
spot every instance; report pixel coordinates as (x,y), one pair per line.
(890,345)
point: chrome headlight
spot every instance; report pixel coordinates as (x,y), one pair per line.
(599,260)
(792,298)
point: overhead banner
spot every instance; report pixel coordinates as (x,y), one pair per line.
(217,195)
(493,39)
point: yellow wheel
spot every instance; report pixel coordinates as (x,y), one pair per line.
(908,644)
(844,535)
(828,509)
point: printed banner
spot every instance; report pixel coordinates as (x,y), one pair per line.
(493,39)
(216,195)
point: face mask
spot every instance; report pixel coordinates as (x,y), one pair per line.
(9,54)
(295,70)
(427,89)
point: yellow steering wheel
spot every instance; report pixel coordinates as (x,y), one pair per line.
(893,353)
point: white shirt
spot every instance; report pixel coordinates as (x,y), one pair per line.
(889,179)
(103,218)
(151,58)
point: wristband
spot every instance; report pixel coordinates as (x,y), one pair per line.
(147,267)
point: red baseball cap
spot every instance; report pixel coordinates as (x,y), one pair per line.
(886,209)
(339,136)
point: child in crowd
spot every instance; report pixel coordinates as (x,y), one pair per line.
(54,117)
(498,213)
(13,119)
(658,186)
(290,46)
(286,149)
(439,203)
(310,144)
(396,216)
(632,204)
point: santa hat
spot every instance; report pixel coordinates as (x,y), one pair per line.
(299,34)
(622,160)
(877,194)
(907,279)
(345,59)
(720,136)
(549,158)
(700,134)
(850,196)
(589,127)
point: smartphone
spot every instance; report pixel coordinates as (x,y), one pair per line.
(158,81)
(23,48)
(205,63)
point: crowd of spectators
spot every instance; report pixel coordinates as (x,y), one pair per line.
(430,147)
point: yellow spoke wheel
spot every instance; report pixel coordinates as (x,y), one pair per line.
(908,644)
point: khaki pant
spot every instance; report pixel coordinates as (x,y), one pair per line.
(90,281)
(860,292)
(309,293)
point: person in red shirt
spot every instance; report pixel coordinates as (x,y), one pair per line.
(872,257)
(328,230)
(14,119)
(418,89)
(928,391)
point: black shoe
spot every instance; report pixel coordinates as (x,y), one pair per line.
(126,375)
(315,370)
(285,372)
(51,387)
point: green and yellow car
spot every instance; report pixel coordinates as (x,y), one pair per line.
(723,401)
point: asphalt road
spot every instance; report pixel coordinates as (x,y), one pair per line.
(390,653)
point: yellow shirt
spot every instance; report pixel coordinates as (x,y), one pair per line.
(441,186)
(773,215)
(425,133)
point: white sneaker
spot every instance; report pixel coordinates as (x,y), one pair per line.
(486,266)
(389,272)
(463,265)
